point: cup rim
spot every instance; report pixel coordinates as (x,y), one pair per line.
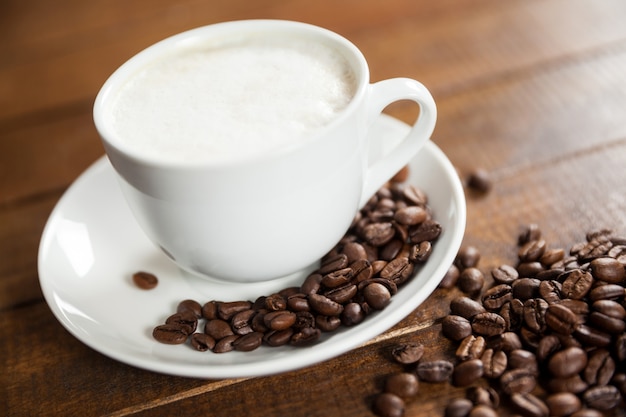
(244,28)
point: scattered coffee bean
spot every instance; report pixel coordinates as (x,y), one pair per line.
(145,280)
(404,384)
(435,371)
(407,353)
(479,180)
(388,405)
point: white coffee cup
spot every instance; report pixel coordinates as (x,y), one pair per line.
(264,214)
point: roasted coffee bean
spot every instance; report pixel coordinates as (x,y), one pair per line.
(145,280)
(525,288)
(602,397)
(606,323)
(591,337)
(420,252)
(324,305)
(576,283)
(218,329)
(427,230)
(587,412)
(508,341)
(278,337)
(170,334)
(298,302)
(451,277)
(407,353)
(362,270)
(547,346)
(467,257)
(495,297)
(513,314)
(479,180)
(535,314)
(333,263)
(279,320)
(600,368)
(379,233)
(530,269)
(226,344)
(532,251)
(459,407)
(191,306)
(504,274)
(376,295)
(241,322)
(209,310)
(248,342)
(311,284)
(471,281)
(620,347)
(471,347)
(561,319)
(567,362)
(607,292)
(388,405)
(482,410)
(354,251)
(305,336)
(552,256)
(550,291)
(563,404)
(202,342)
(518,380)
(304,319)
(342,294)
(494,363)
(274,302)
(529,405)
(488,324)
(484,396)
(524,359)
(399,270)
(467,372)
(531,232)
(410,215)
(352,314)
(404,384)
(466,307)
(337,278)
(186,320)
(327,323)
(227,310)
(456,327)
(435,371)
(608,270)
(573,384)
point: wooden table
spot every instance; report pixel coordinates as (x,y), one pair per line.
(532,91)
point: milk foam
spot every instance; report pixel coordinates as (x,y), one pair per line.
(229,102)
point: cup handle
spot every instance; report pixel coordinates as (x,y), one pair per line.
(382,94)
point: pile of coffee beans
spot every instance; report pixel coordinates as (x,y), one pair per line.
(390,238)
(546,339)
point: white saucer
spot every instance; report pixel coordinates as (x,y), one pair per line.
(91,246)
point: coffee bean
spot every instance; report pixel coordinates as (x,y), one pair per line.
(186,320)
(411,215)
(504,274)
(479,180)
(377,295)
(467,257)
(529,406)
(388,405)
(278,337)
(145,280)
(378,234)
(352,314)
(563,404)
(279,320)
(333,263)
(602,397)
(324,305)
(524,359)
(226,344)
(484,396)
(482,410)
(552,256)
(459,407)
(495,297)
(494,363)
(561,319)
(407,353)
(456,327)
(241,323)
(530,232)
(547,346)
(305,336)
(466,307)
(567,362)
(451,277)
(399,270)
(513,314)
(488,324)
(327,323)
(435,371)
(576,283)
(354,251)
(550,291)
(608,270)
(573,384)
(218,329)
(525,288)
(592,337)
(405,385)
(532,251)
(471,347)
(171,334)
(419,253)
(191,306)
(248,342)
(471,281)
(518,380)
(427,230)
(607,292)
(600,368)
(227,310)
(467,372)
(202,342)
(337,278)
(587,412)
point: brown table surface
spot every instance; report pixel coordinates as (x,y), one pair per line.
(532,91)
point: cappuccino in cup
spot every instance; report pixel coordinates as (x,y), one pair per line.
(242,148)
(225,102)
